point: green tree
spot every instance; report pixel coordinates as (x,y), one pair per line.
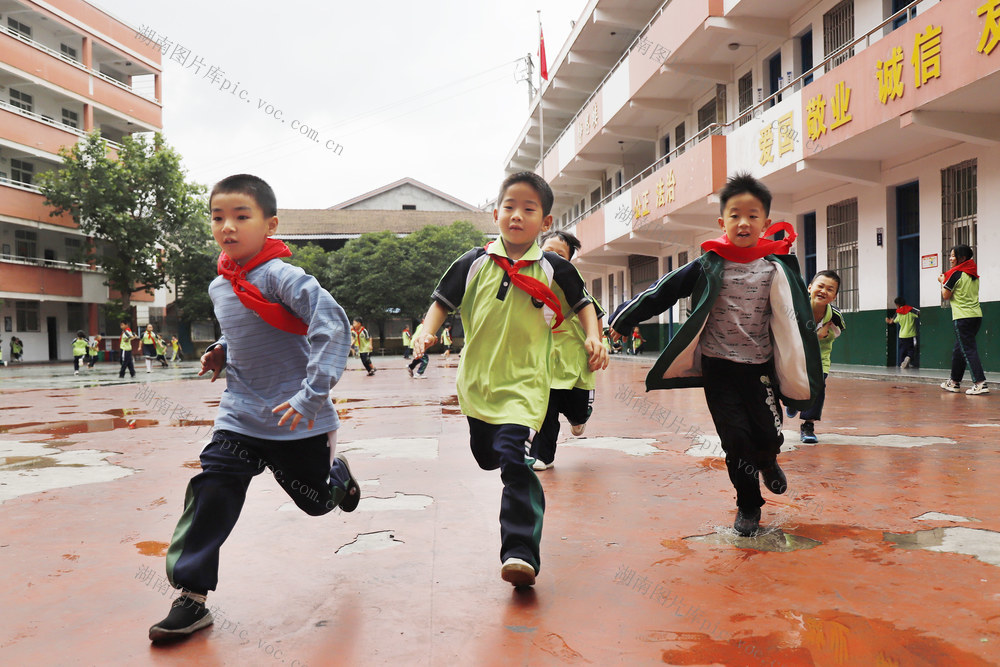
(191,260)
(430,251)
(312,259)
(133,201)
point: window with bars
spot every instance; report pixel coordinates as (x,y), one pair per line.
(684,304)
(68,51)
(679,138)
(706,115)
(958,207)
(27,313)
(22,101)
(744,89)
(842,250)
(17,26)
(611,293)
(74,317)
(21,171)
(70,118)
(25,243)
(620,287)
(838,31)
(643,272)
(596,290)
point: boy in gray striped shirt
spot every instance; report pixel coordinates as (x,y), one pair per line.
(284,345)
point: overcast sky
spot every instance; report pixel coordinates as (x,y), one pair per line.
(419,89)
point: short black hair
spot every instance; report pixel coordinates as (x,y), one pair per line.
(359,320)
(962,252)
(899,301)
(571,241)
(252,186)
(743,183)
(536,182)
(127,322)
(80,334)
(827,273)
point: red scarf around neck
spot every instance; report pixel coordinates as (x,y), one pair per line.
(903,310)
(968,266)
(274,314)
(532,286)
(723,247)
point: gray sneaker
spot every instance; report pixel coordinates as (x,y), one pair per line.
(951,385)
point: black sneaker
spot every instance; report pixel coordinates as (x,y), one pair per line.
(350,501)
(807,434)
(774,479)
(186,617)
(747,523)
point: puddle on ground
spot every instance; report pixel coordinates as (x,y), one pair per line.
(711,445)
(400,501)
(775,540)
(981,544)
(15,407)
(451,411)
(32,467)
(449,400)
(196,464)
(397,448)
(338,401)
(828,637)
(382,539)
(630,446)
(64,428)
(152,548)
(938,516)
(193,422)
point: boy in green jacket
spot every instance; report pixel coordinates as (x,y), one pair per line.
(749,340)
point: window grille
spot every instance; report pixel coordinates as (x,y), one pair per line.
(838,31)
(842,250)
(958,208)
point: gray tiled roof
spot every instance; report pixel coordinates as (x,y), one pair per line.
(295,221)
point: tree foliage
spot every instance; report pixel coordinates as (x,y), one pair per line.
(136,201)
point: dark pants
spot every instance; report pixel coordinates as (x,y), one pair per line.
(127,364)
(815,411)
(76,362)
(965,352)
(576,404)
(91,361)
(366,361)
(215,496)
(522,503)
(407,351)
(743,403)
(906,347)
(422,362)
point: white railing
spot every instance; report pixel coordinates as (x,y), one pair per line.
(19,184)
(75,63)
(49,263)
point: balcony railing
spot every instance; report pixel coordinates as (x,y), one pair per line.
(50,263)
(19,184)
(741,119)
(75,63)
(54,123)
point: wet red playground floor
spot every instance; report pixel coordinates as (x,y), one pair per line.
(885,551)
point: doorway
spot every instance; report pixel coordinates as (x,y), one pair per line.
(53,328)
(908,247)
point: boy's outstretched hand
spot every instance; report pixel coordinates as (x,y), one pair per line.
(290,413)
(214,360)
(597,355)
(421,343)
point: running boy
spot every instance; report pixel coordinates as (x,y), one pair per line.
(125,347)
(572,393)
(906,342)
(747,341)
(505,371)
(94,350)
(284,345)
(364,344)
(829,324)
(80,344)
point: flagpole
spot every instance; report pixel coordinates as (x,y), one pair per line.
(541,108)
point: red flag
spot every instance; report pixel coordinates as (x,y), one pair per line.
(541,53)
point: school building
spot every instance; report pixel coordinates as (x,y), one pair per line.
(875,123)
(66,69)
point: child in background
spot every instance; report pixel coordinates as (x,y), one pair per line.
(94,350)
(125,347)
(80,345)
(446,340)
(960,287)
(175,350)
(148,342)
(421,359)
(829,324)
(507,293)
(364,345)
(637,341)
(407,342)
(284,346)
(906,342)
(161,351)
(738,342)
(572,392)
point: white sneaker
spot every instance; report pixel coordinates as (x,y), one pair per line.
(906,362)
(76,372)
(951,385)
(577,429)
(517,572)
(541,465)
(977,389)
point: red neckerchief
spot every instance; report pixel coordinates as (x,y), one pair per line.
(532,286)
(903,310)
(723,247)
(274,314)
(968,266)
